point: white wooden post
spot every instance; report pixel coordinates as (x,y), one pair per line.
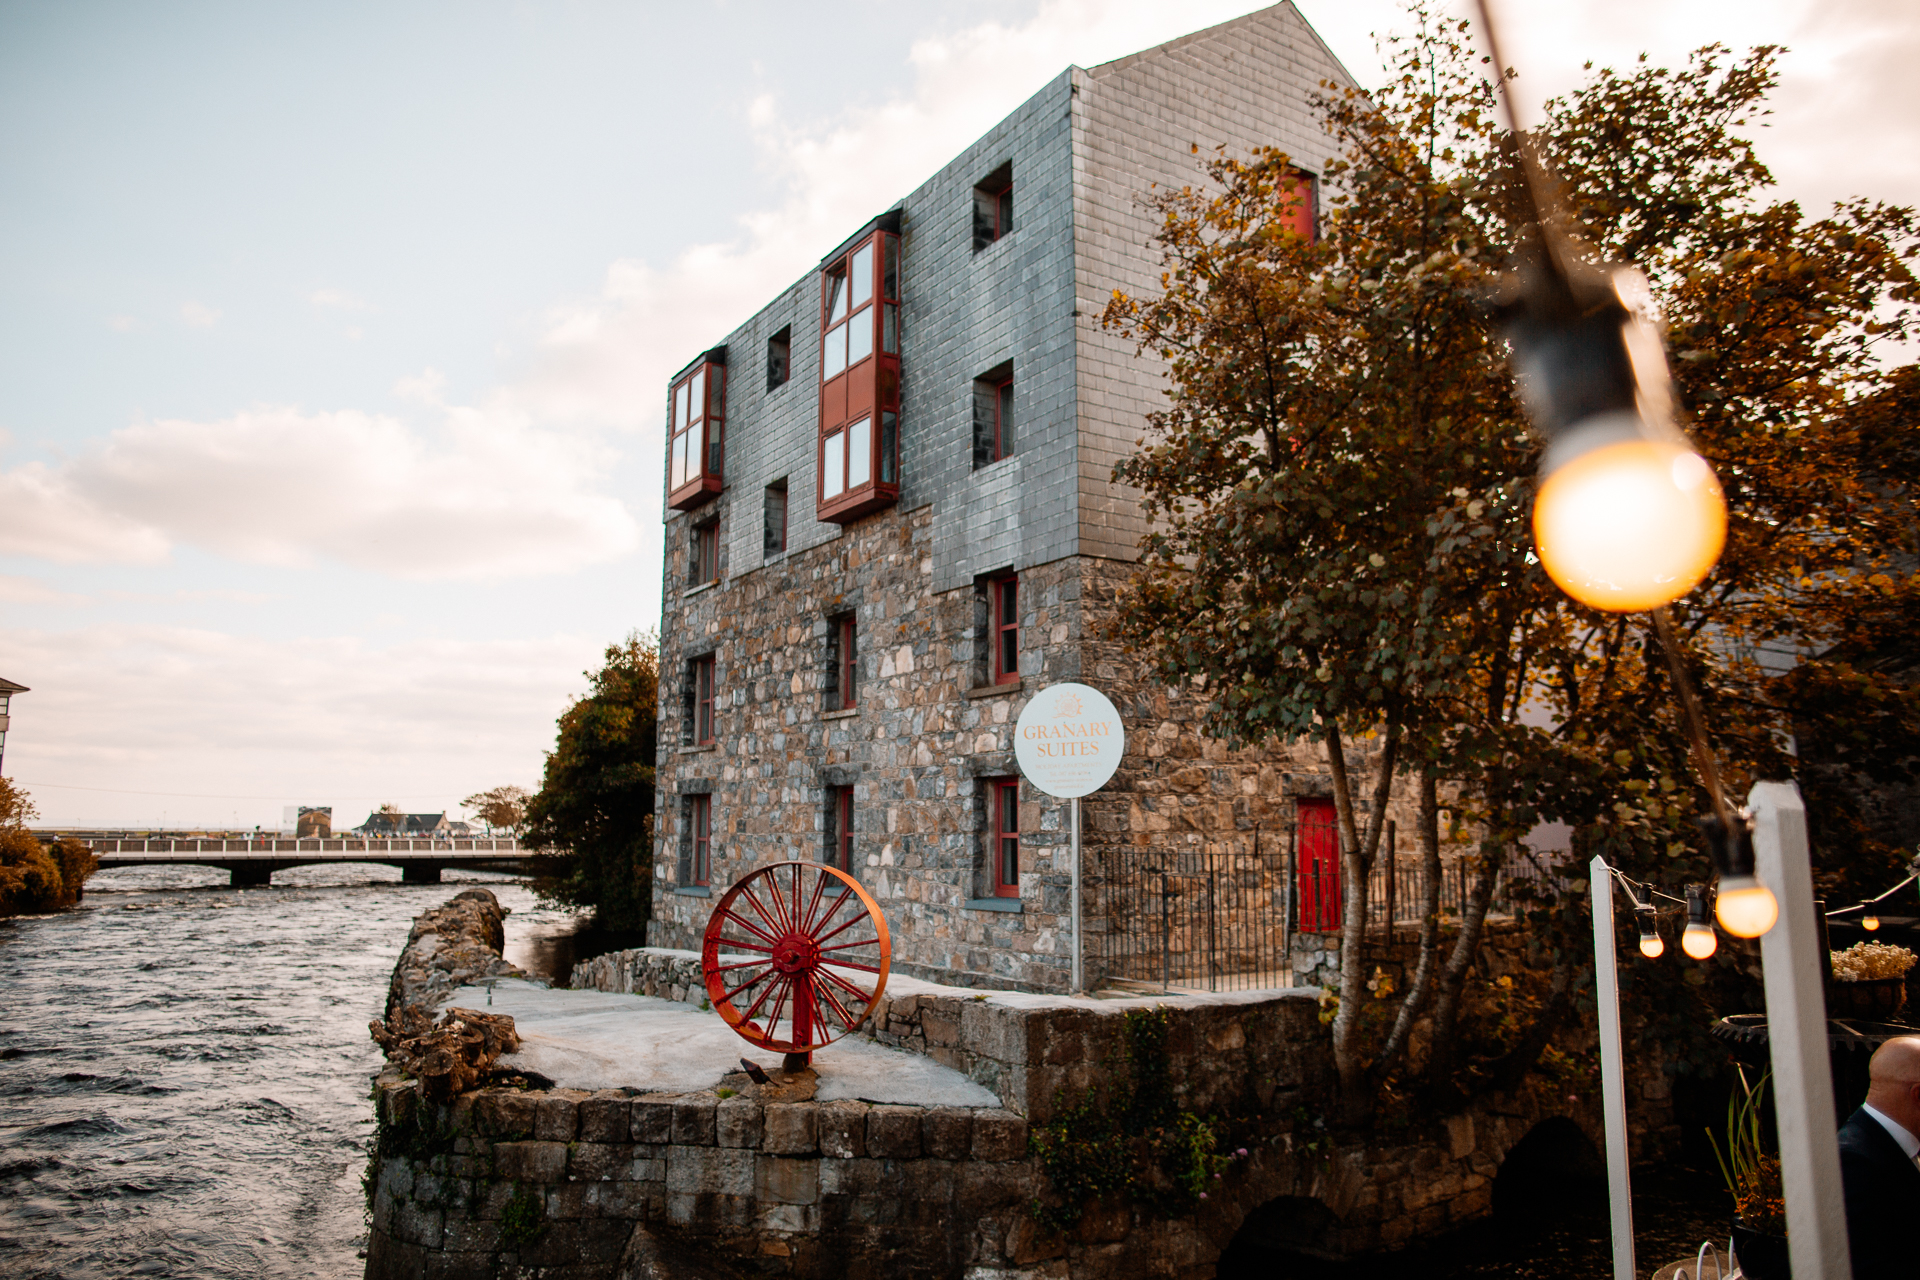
(1078,985)
(1797,1039)
(1613,1088)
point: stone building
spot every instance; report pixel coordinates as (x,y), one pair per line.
(891,518)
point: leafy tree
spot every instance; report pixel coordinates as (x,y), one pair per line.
(36,876)
(594,810)
(504,807)
(1342,551)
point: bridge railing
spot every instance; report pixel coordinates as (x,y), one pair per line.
(375,845)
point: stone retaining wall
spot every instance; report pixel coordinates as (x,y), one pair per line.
(554,1184)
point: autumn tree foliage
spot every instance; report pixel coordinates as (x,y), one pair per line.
(1341,485)
(502,808)
(593,814)
(36,876)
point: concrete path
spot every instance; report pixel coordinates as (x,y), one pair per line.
(597,1040)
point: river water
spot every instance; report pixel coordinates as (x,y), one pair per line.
(184,1069)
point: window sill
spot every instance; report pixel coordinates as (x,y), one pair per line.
(994,904)
(706,746)
(846,714)
(708,585)
(996,690)
(693,891)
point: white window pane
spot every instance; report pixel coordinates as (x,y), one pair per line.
(860,336)
(859,453)
(836,353)
(836,298)
(677,469)
(834,468)
(680,408)
(862,274)
(699,386)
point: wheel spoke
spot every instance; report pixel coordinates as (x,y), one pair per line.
(755,980)
(739,964)
(779,1002)
(813,903)
(842,946)
(772,918)
(854,964)
(755,1007)
(866,997)
(752,928)
(843,928)
(846,1019)
(816,924)
(742,942)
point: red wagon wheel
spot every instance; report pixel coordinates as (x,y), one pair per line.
(796,956)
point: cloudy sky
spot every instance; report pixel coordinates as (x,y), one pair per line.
(333,337)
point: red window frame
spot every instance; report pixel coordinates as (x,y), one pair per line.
(703,700)
(1301,219)
(1317,863)
(847,662)
(696,432)
(1003,596)
(700,819)
(1002,418)
(857,458)
(706,552)
(1005,837)
(840,849)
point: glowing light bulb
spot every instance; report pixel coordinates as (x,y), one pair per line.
(1699,941)
(1746,907)
(1630,526)
(1870,923)
(1650,944)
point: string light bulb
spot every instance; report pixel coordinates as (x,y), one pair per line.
(1746,907)
(1699,940)
(1628,515)
(1651,945)
(1870,923)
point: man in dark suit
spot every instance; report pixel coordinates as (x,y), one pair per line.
(1878,1145)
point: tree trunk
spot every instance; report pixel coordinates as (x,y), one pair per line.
(1356,861)
(1466,948)
(1421,986)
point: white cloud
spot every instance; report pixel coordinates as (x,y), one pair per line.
(319,720)
(488,495)
(18,590)
(199,315)
(605,360)
(339,299)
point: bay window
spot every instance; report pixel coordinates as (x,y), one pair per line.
(696,437)
(859,442)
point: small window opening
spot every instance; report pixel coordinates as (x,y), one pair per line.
(775,534)
(839,828)
(699,705)
(705,565)
(993,416)
(993,207)
(1003,595)
(843,663)
(779,358)
(700,824)
(1004,835)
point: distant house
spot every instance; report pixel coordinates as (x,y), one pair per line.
(405,824)
(7,689)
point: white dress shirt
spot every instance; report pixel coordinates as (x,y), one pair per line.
(1908,1143)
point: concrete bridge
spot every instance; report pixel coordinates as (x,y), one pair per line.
(252,861)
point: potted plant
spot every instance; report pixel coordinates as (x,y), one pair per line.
(1753,1177)
(1869,981)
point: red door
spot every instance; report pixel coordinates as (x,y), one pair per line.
(1318,843)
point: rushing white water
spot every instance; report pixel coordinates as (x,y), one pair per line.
(184,1069)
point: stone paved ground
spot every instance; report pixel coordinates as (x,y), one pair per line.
(597,1040)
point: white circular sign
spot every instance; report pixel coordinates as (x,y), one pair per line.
(1069,740)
